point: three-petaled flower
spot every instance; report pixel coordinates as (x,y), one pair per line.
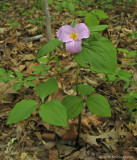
(73,36)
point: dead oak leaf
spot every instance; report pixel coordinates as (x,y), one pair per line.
(92,139)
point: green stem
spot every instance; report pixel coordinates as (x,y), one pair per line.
(79,121)
(79,130)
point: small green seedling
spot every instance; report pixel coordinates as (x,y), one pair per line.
(119,75)
(6,77)
(13,24)
(130,54)
(131,101)
(21,81)
(41,69)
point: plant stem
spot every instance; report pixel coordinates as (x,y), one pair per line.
(57,144)
(79,120)
(79,130)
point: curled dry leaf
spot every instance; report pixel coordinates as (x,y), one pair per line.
(71,134)
(48,136)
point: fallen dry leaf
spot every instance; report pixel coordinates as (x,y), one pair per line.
(53,154)
(48,136)
(92,139)
(59,94)
(90,119)
(71,134)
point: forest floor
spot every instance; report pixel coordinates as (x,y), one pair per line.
(33,139)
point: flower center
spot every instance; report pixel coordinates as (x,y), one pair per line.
(74,36)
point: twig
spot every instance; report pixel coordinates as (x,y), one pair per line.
(34,38)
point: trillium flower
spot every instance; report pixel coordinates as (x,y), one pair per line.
(73,36)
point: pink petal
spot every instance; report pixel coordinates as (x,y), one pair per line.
(74,47)
(82,30)
(64,32)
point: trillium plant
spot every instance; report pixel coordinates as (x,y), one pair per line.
(90,50)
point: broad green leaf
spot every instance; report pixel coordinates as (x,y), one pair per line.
(91,20)
(99,53)
(97,28)
(54,113)
(98,104)
(21,111)
(74,106)
(47,48)
(30,78)
(71,7)
(19,74)
(2,72)
(84,90)
(46,88)
(17,85)
(100,14)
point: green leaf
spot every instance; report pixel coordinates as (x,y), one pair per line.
(2,72)
(12,79)
(124,76)
(98,104)
(54,113)
(100,14)
(74,106)
(65,4)
(131,54)
(71,7)
(47,68)
(43,60)
(81,13)
(122,50)
(47,48)
(21,111)
(19,74)
(91,20)
(30,83)
(59,8)
(84,90)
(17,85)
(99,53)
(9,73)
(46,88)
(97,28)
(30,78)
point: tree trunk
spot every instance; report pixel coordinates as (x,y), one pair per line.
(48,22)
